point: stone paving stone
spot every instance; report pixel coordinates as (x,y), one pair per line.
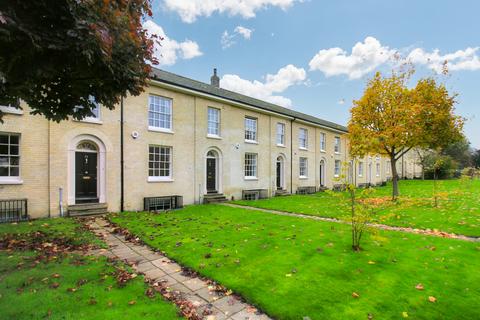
(195,300)
(229,305)
(167,267)
(209,312)
(179,276)
(154,274)
(151,256)
(145,266)
(195,284)
(180,288)
(208,295)
(167,280)
(245,315)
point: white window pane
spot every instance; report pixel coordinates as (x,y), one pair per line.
(160,112)
(9,155)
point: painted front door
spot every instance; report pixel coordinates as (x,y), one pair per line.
(211,175)
(86,177)
(279,175)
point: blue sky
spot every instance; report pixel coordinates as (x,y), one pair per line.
(299,53)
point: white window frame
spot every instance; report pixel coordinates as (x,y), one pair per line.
(155,113)
(11,179)
(97,114)
(11,110)
(303,138)
(377,169)
(338,145)
(303,167)
(213,123)
(280,134)
(323,141)
(251,131)
(388,167)
(159,177)
(360,169)
(337,169)
(251,166)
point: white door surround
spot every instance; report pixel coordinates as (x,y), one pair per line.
(101,166)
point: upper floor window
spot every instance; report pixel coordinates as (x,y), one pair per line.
(280,134)
(251,165)
(323,141)
(159,162)
(337,145)
(303,167)
(378,169)
(159,113)
(303,138)
(360,169)
(338,167)
(9,155)
(12,108)
(95,111)
(213,121)
(250,129)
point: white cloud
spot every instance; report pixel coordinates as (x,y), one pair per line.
(244,32)
(169,50)
(365,57)
(273,84)
(190,10)
(229,40)
(460,60)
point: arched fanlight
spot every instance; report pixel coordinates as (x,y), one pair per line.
(86,146)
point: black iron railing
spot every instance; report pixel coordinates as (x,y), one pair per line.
(13,210)
(254,194)
(162,203)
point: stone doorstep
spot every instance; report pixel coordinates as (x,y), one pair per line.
(229,305)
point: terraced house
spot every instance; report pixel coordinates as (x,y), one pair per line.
(184,140)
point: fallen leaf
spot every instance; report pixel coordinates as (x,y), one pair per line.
(419,286)
(432,299)
(355,295)
(132,302)
(371,262)
(404,314)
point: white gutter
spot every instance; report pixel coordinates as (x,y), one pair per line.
(235,103)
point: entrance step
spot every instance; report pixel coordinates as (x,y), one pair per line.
(279,193)
(86,209)
(214,198)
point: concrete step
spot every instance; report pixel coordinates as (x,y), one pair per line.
(214,198)
(85,209)
(279,193)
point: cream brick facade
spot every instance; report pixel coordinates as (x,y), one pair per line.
(47,152)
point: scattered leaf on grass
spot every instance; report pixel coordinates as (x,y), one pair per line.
(405,314)
(371,262)
(55,285)
(355,295)
(132,302)
(432,299)
(419,286)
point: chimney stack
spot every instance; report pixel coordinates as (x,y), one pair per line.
(215,80)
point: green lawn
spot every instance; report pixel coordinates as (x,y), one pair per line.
(458,211)
(69,286)
(294,268)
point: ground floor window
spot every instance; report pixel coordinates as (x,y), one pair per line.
(160,161)
(250,165)
(303,167)
(378,169)
(9,155)
(360,169)
(337,169)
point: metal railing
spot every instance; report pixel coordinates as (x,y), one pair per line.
(162,203)
(13,210)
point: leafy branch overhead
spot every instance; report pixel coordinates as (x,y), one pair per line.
(57,54)
(392,118)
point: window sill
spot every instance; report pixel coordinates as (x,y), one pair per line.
(337,153)
(90,120)
(155,129)
(10,180)
(251,141)
(159,179)
(251,178)
(323,151)
(214,136)
(281,146)
(11,110)
(303,177)
(302,148)
(336,175)
(360,175)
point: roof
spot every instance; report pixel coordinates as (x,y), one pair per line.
(174,79)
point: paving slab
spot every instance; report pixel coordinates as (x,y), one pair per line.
(208,294)
(195,284)
(229,305)
(145,266)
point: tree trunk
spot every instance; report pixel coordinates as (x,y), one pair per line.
(395,191)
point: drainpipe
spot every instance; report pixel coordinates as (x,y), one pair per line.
(291,155)
(122,173)
(49,173)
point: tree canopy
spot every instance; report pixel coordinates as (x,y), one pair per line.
(57,54)
(392,118)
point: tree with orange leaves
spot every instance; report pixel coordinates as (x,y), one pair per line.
(391,118)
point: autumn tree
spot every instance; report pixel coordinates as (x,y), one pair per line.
(391,119)
(57,54)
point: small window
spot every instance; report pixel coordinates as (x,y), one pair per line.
(303,138)
(337,145)
(250,165)
(338,167)
(250,129)
(303,167)
(9,155)
(280,134)
(213,121)
(388,166)
(160,162)
(323,141)
(378,169)
(360,169)
(159,113)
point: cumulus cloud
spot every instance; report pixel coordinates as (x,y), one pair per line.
(366,56)
(270,88)
(190,10)
(229,39)
(460,60)
(169,50)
